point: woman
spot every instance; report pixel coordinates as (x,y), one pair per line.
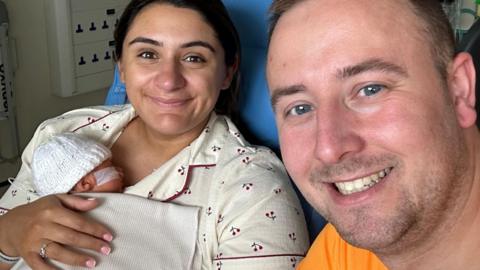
(178,59)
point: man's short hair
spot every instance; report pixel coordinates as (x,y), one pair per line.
(435,27)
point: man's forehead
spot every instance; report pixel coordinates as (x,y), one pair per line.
(300,33)
(323,11)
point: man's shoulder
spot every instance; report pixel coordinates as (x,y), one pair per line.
(330,251)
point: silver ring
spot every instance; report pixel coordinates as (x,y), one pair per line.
(43,250)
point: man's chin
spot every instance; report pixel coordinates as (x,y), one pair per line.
(366,234)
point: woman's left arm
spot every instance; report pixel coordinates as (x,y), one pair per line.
(260,223)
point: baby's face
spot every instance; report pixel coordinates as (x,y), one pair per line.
(104,178)
(108,178)
(114,185)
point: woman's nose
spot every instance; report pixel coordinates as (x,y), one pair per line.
(170,76)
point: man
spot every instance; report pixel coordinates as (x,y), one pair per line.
(376,121)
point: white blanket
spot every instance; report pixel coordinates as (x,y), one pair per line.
(147,234)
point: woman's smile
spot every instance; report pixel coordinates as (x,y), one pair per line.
(170,102)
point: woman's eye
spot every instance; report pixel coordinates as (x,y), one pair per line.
(147,55)
(371,90)
(194,59)
(299,109)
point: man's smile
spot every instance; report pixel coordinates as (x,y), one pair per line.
(363,183)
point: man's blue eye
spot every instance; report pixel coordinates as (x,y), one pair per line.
(300,109)
(371,90)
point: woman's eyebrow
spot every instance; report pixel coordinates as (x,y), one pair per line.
(199,43)
(145,40)
(185,45)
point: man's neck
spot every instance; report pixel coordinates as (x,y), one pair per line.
(458,248)
(455,243)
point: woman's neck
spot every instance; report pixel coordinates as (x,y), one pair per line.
(140,150)
(165,146)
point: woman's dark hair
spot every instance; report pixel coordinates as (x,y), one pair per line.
(216,15)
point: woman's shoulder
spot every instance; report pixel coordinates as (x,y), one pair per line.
(95,121)
(76,119)
(244,160)
(242,148)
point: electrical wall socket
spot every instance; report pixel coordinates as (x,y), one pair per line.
(80,44)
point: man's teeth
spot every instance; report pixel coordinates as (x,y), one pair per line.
(362,184)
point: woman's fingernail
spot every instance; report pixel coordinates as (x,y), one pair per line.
(107,237)
(105,250)
(91,263)
(91,199)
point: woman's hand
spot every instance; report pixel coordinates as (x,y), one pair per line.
(54,222)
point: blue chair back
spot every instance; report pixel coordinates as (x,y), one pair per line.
(116,94)
(258,122)
(250,19)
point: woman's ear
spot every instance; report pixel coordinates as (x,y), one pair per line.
(461,83)
(87,183)
(231,70)
(121,72)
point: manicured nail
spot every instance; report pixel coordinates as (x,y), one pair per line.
(91,199)
(105,250)
(107,237)
(91,263)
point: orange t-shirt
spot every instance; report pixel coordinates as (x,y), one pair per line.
(331,252)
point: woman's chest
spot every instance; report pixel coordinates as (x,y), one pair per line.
(184,184)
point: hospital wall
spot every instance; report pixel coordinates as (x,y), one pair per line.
(34,99)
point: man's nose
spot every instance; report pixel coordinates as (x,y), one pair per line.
(337,136)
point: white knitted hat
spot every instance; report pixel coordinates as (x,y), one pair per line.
(59,163)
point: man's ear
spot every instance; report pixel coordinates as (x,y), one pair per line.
(87,183)
(462,88)
(231,70)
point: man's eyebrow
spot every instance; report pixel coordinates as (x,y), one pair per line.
(278,93)
(374,64)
